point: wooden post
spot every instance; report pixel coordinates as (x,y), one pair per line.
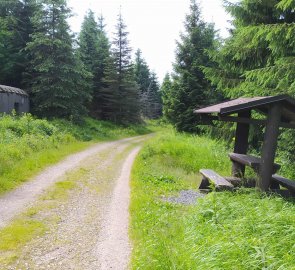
(269,147)
(241,144)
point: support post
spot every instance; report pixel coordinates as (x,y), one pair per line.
(269,147)
(241,144)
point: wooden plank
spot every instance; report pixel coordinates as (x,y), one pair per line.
(235,181)
(269,147)
(255,102)
(284,182)
(252,161)
(235,119)
(241,144)
(219,182)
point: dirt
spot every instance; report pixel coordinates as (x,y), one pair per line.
(88,229)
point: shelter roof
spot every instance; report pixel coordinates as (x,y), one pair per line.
(261,104)
(9,89)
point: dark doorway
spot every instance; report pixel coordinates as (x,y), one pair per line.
(16,107)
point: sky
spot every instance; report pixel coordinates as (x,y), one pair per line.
(153,25)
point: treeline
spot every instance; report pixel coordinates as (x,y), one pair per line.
(68,76)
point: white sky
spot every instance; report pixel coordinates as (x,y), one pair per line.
(153,25)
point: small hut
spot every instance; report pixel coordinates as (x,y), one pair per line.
(12,98)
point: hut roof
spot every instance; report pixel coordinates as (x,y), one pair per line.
(9,89)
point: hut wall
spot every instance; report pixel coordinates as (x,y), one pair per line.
(10,101)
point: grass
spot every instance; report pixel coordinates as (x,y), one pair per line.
(28,145)
(14,236)
(228,230)
(28,226)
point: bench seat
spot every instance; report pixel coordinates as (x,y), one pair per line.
(284,182)
(251,161)
(211,177)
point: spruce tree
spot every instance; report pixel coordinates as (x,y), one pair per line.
(154,98)
(191,88)
(88,42)
(15,32)
(94,50)
(57,79)
(122,84)
(167,97)
(258,58)
(142,76)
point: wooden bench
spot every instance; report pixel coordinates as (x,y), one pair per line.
(252,161)
(211,177)
(284,182)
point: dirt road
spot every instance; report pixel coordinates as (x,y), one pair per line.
(87,225)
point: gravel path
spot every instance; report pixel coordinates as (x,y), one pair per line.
(16,201)
(88,230)
(113,238)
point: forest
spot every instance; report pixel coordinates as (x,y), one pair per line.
(71,76)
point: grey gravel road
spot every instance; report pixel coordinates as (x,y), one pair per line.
(89,229)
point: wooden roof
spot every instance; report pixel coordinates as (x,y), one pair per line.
(260,104)
(9,89)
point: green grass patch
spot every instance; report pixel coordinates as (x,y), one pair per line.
(16,235)
(28,145)
(238,230)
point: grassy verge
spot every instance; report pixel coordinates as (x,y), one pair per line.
(241,230)
(28,145)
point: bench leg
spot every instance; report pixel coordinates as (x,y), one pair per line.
(274,185)
(204,184)
(238,170)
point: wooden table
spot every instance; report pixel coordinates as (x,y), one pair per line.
(240,161)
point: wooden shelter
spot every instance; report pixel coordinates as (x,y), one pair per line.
(279,112)
(12,98)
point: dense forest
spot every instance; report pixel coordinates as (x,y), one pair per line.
(70,76)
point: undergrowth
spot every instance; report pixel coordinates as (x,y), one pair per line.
(27,145)
(228,230)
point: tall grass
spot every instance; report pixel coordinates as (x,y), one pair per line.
(239,230)
(27,144)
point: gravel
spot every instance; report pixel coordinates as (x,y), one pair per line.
(186,197)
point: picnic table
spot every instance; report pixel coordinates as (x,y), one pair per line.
(279,112)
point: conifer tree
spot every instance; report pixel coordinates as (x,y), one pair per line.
(121,87)
(88,41)
(142,71)
(58,80)
(190,87)
(259,57)
(167,96)
(154,98)
(142,76)
(94,51)
(150,98)
(15,32)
